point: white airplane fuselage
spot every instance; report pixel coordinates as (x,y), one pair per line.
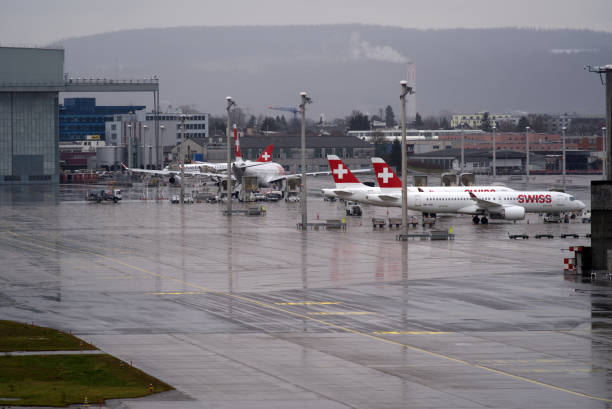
(266,172)
(489,203)
(370,194)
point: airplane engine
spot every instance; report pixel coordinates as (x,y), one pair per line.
(238,171)
(510,213)
(174,180)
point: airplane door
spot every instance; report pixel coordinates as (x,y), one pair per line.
(417,200)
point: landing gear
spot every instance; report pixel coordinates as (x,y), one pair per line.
(484,220)
(476,220)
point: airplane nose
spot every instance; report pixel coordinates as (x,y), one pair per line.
(581,205)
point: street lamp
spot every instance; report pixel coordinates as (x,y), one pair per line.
(146,150)
(182,157)
(527,152)
(159,151)
(494,152)
(406,90)
(303,197)
(462,167)
(604,164)
(230,104)
(563,137)
(129,145)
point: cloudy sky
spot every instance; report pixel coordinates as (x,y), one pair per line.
(45,21)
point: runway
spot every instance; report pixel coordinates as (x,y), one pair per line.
(249,312)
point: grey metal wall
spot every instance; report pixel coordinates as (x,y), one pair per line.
(29,137)
(31,66)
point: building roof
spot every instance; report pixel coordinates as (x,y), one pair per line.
(311,142)
(470,154)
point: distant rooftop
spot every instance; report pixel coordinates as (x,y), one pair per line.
(33,46)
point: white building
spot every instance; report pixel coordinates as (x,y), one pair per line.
(140,128)
(474,121)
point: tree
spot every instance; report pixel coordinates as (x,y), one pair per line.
(378,139)
(395,159)
(389,117)
(418,121)
(537,122)
(358,122)
(188,109)
(252,122)
(431,122)
(283,123)
(485,124)
(444,123)
(216,125)
(268,124)
(522,124)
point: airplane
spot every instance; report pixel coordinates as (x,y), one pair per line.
(217,171)
(496,202)
(349,187)
(390,183)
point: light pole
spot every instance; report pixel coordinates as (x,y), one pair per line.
(160,150)
(563,137)
(406,90)
(228,183)
(182,157)
(462,167)
(494,153)
(146,150)
(527,152)
(129,145)
(604,164)
(303,197)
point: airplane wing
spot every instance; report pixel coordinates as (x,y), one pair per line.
(326,172)
(388,198)
(214,176)
(151,171)
(486,204)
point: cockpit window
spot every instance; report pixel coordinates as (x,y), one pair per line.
(572,198)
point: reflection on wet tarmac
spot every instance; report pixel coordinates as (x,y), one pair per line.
(249,312)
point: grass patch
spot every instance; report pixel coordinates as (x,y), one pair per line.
(61,380)
(16,336)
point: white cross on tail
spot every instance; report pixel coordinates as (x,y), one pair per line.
(340,171)
(385,175)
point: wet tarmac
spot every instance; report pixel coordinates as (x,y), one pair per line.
(249,312)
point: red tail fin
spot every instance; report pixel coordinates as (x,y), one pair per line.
(266,155)
(385,175)
(237,143)
(340,172)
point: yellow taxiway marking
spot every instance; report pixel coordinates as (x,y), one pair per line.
(181,293)
(323,322)
(308,303)
(409,332)
(559,370)
(340,313)
(523,361)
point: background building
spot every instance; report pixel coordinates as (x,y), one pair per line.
(80,117)
(474,121)
(138,127)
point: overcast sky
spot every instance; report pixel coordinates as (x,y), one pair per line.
(44,21)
